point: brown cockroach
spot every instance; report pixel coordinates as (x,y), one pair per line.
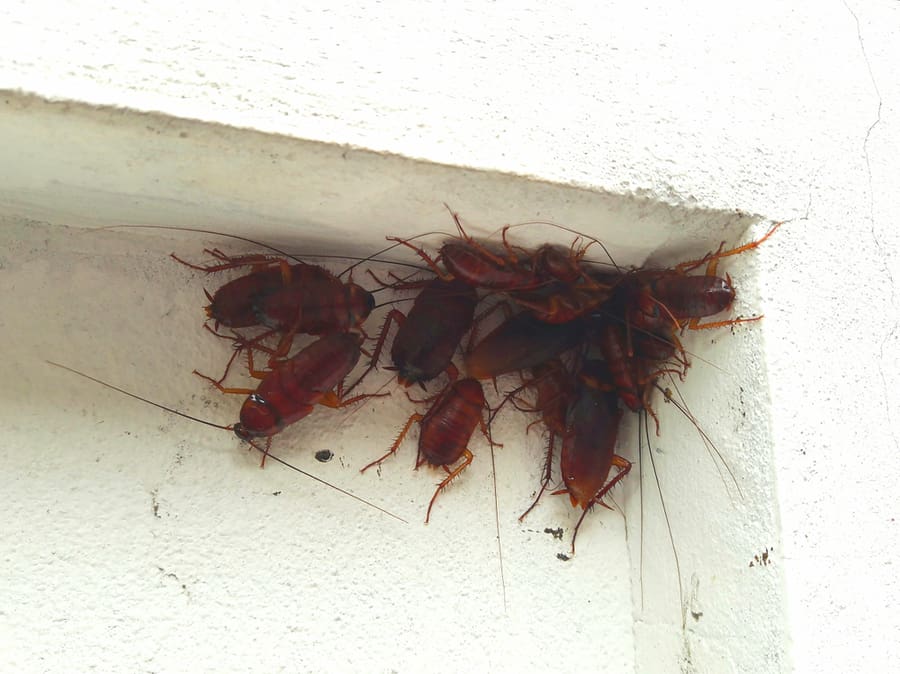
(430,332)
(289,299)
(520,343)
(445,431)
(588,447)
(487,266)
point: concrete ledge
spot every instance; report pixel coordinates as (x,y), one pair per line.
(210,529)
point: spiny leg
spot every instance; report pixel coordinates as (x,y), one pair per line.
(397,317)
(257,374)
(548,473)
(444,276)
(713,258)
(393,450)
(334,401)
(239,343)
(451,475)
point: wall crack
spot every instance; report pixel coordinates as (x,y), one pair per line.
(892,332)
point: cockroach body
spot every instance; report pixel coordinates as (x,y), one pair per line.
(233,304)
(588,448)
(291,390)
(315,306)
(692,296)
(287,298)
(476,266)
(592,427)
(520,343)
(430,333)
(610,339)
(445,431)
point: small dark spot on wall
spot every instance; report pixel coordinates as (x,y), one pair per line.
(762,559)
(324,455)
(556,533)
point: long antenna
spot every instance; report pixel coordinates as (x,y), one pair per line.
(644,428)
(173,228)
(497,513)
(254,242)
(391,247)
(226,428)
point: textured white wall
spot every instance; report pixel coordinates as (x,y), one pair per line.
(786,111)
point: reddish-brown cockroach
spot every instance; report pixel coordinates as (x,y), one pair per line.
(633,377)
(287,298)
(445,431)
(474,263)
(484,266)
(520,343)
(291,390)
(429,334)
(264,416)
(586,416)
(588,448)
(669,299)
(629,382)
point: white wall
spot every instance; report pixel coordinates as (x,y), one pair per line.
(787,112)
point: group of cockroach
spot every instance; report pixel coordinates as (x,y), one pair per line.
(588,339)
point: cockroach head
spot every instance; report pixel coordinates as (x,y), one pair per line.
(241,431)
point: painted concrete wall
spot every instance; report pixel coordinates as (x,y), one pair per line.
(132,542)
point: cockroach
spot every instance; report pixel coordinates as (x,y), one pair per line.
(629,383)
(520,343)
(233,304)
(286,297)
(550,299)
(474,264)
(634,377)
(259,412)
(669,298)
(445,431)
(291,391)
(477,265)
(586,416)
(485,266)
(289,299)
(588,447)
(429,334)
